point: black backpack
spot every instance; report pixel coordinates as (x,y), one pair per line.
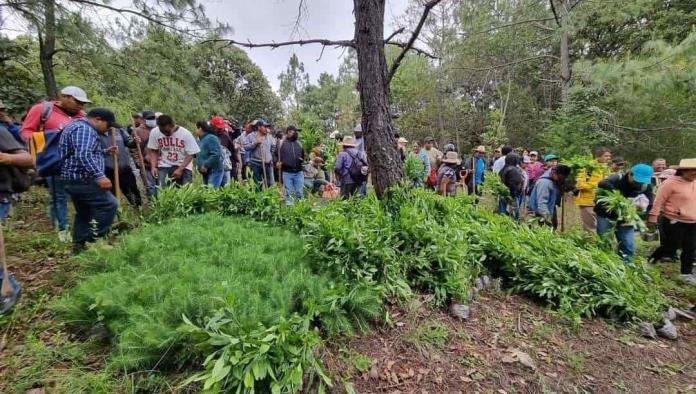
(358,169)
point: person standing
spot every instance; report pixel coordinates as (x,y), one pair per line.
(447,174)
(586,184)
(632,185)
(674,211)
(210,159)
(500,162)
(617,165)
(82,172)
(229,154)
(292,159)
(351,167)
(546,194)
(52,116)
(434,155)
(535,169)
(13,157)
(142,131)
(261,147)
(497,152)
(423,158)
(551,160)
(126,178)
(172,148)
(360,146)
(476,166)
(512,178)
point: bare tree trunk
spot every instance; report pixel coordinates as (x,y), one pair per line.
(565,53)
(47,47)
(373,85)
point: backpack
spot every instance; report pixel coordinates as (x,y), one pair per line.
(45,146)
(358,169)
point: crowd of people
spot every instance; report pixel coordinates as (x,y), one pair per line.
(97,157)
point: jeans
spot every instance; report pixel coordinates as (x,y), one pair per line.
(214,178)
(502,206)
(165,177)
(625,236)
(294,186)
(5,209)
(94,210)
(58,205)
(363,189)
(677,235)
(226,177)
(259,173)
(151,187)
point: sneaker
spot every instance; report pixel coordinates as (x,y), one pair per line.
(688,279)
(64,236)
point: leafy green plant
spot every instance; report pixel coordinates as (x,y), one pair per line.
(623,208)
(494,186)
(414,169)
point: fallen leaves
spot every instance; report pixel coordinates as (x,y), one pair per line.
(516,355)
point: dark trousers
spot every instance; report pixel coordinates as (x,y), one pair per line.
(127,183)
(678,235)
(261,174)
(94,210)
(349,190)
(165,177)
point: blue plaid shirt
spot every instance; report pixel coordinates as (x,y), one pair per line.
(83,156)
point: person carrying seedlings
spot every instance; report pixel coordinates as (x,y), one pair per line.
(513,179)
(291,163)
(261,147)
(82,172)
(126,178)
(351,168)
(586,183)
(447,174)
(674,211)
(14,161)
(423,158)
(172,148)
(210,158)
(546,195)
(635,185)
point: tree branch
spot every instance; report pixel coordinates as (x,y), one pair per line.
(426,10)
(686,125)
(506,64)
(535,22)
(555,14)
(274,45)
(398,31)
(414,49)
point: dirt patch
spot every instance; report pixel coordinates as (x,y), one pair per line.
(512,345)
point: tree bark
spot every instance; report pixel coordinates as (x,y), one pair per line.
(47,47)
(565,53)
(386,167)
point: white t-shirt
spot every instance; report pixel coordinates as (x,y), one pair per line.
(499,164)
(173,149)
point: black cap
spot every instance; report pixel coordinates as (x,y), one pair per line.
(430,139)
(292,128)
(149,115)
(261,122)
(103,114)
(618,160)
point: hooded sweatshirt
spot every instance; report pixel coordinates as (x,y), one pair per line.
(210,155)
(511,175)
(676,200)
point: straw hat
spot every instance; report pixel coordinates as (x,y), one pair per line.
(685,164)
(480,149)
(348,141)
(452,158)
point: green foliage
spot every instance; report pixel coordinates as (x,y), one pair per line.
(414,169)
(429,334)
(495,187)
(626,213)
(265,359)
(140,289)
(588,164)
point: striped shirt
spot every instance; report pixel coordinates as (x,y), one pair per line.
(83,156)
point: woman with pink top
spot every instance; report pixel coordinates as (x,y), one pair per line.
(675,205)
(535,169)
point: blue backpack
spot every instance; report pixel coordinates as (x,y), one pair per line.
(44,146)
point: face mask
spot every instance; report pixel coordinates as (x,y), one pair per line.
(151,123)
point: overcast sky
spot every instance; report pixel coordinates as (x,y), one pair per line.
(268,20)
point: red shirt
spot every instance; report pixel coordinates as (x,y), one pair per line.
(57,120)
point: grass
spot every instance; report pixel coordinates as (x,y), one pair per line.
(429,334)
(139,290)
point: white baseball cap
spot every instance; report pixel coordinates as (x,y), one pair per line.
(76,92)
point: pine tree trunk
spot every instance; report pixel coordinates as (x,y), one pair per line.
(47,47)
(386,167)
(565,53)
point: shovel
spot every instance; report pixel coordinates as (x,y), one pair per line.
(10,290)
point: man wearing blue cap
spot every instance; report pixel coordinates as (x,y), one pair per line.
(635,185)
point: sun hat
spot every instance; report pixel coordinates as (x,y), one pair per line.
(550,157)
(348,141)
(642,173)
(685,164)
(75,92)
(480,149)
(402,140)
(452,158)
